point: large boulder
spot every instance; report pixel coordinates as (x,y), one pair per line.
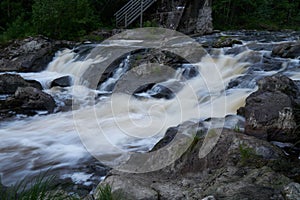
(237,167)
(287,50)
(9,83)
(29,55)
(28,100)
(272,112)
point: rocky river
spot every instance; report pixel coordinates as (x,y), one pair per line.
(155,113)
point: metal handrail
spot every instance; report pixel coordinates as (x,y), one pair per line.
(131,11)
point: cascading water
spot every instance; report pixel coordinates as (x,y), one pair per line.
(127,123)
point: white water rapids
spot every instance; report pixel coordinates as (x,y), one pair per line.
(115,124)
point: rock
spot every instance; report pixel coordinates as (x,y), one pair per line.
(196,18)
(64,81)
(9,83)
(244,81)
(287,50)
(226,42)
(169,136)
(272,112)
(30,55)
(292,191)
(235,168)
(28,100)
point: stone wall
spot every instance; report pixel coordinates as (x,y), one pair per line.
(186,16)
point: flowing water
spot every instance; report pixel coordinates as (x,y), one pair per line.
(113,125)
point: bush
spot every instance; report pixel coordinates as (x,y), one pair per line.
(63,19)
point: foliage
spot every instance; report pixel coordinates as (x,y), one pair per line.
(42,188)
(249,157)
(104,192)
(259,14)
(58,19)
(63,18)
(71,19)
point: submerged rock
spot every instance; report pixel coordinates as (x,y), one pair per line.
(9,83)
(272,112)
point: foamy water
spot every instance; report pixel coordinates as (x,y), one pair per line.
(111,127)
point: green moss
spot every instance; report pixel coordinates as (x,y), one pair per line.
(249,157)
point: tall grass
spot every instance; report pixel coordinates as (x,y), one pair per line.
(40,188)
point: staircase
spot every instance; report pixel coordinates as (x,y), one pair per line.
(131,11)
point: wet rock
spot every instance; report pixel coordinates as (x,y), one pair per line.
(30,55)
(160,91)
(169,136)
(272,112)
(28,100)
(9,83)
(245,81)
(292,191)
(226,42)
(287,50)
(64,81)
(190,71)
(235,50)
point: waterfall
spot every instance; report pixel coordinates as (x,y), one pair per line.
(113,126)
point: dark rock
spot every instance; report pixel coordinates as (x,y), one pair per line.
(29,55)
(226,42)
(287,50)
(279,83)
(190,71)
(64,81)
(245,81)
(169,136)
(27,100)
(235,50)
(160,91)
(271,112)
(9,83)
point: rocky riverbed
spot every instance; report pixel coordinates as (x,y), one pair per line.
(253,154)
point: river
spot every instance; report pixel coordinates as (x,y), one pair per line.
(111,126)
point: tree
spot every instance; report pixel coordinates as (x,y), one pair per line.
(63,19)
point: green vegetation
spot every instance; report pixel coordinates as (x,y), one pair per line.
(249,157)
(42,188)
(260,14)
(58,19)
(73,19)
(104,192)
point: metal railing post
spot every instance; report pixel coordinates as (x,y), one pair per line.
(141,18)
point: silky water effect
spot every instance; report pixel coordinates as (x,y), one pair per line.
(116,124)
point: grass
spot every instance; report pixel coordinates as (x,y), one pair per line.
(104,192)
(249,157)
(41,188)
